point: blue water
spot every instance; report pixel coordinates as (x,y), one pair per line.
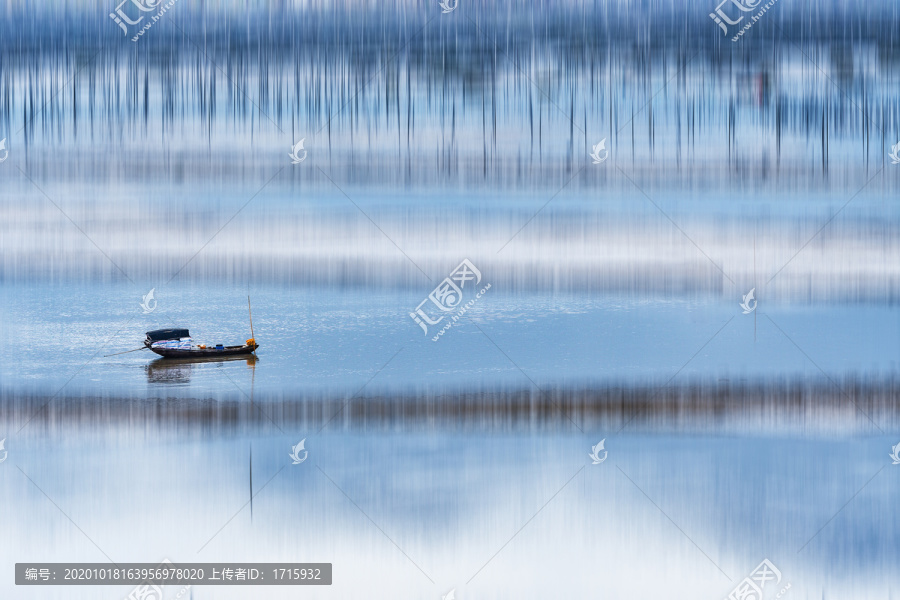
(686,516)
(614,313)
(314,340)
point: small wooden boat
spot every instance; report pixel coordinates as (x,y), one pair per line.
(177,343)
(182,346)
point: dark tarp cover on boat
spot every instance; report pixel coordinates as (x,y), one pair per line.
(167,334)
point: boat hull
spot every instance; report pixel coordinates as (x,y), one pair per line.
(205,352)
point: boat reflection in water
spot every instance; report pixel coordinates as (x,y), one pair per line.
(178,370)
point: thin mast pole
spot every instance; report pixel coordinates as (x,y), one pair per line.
(250,310)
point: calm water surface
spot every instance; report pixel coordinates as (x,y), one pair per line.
(614,312)
(683,516)
(315,340)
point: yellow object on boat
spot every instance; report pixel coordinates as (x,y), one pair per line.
(251,342)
